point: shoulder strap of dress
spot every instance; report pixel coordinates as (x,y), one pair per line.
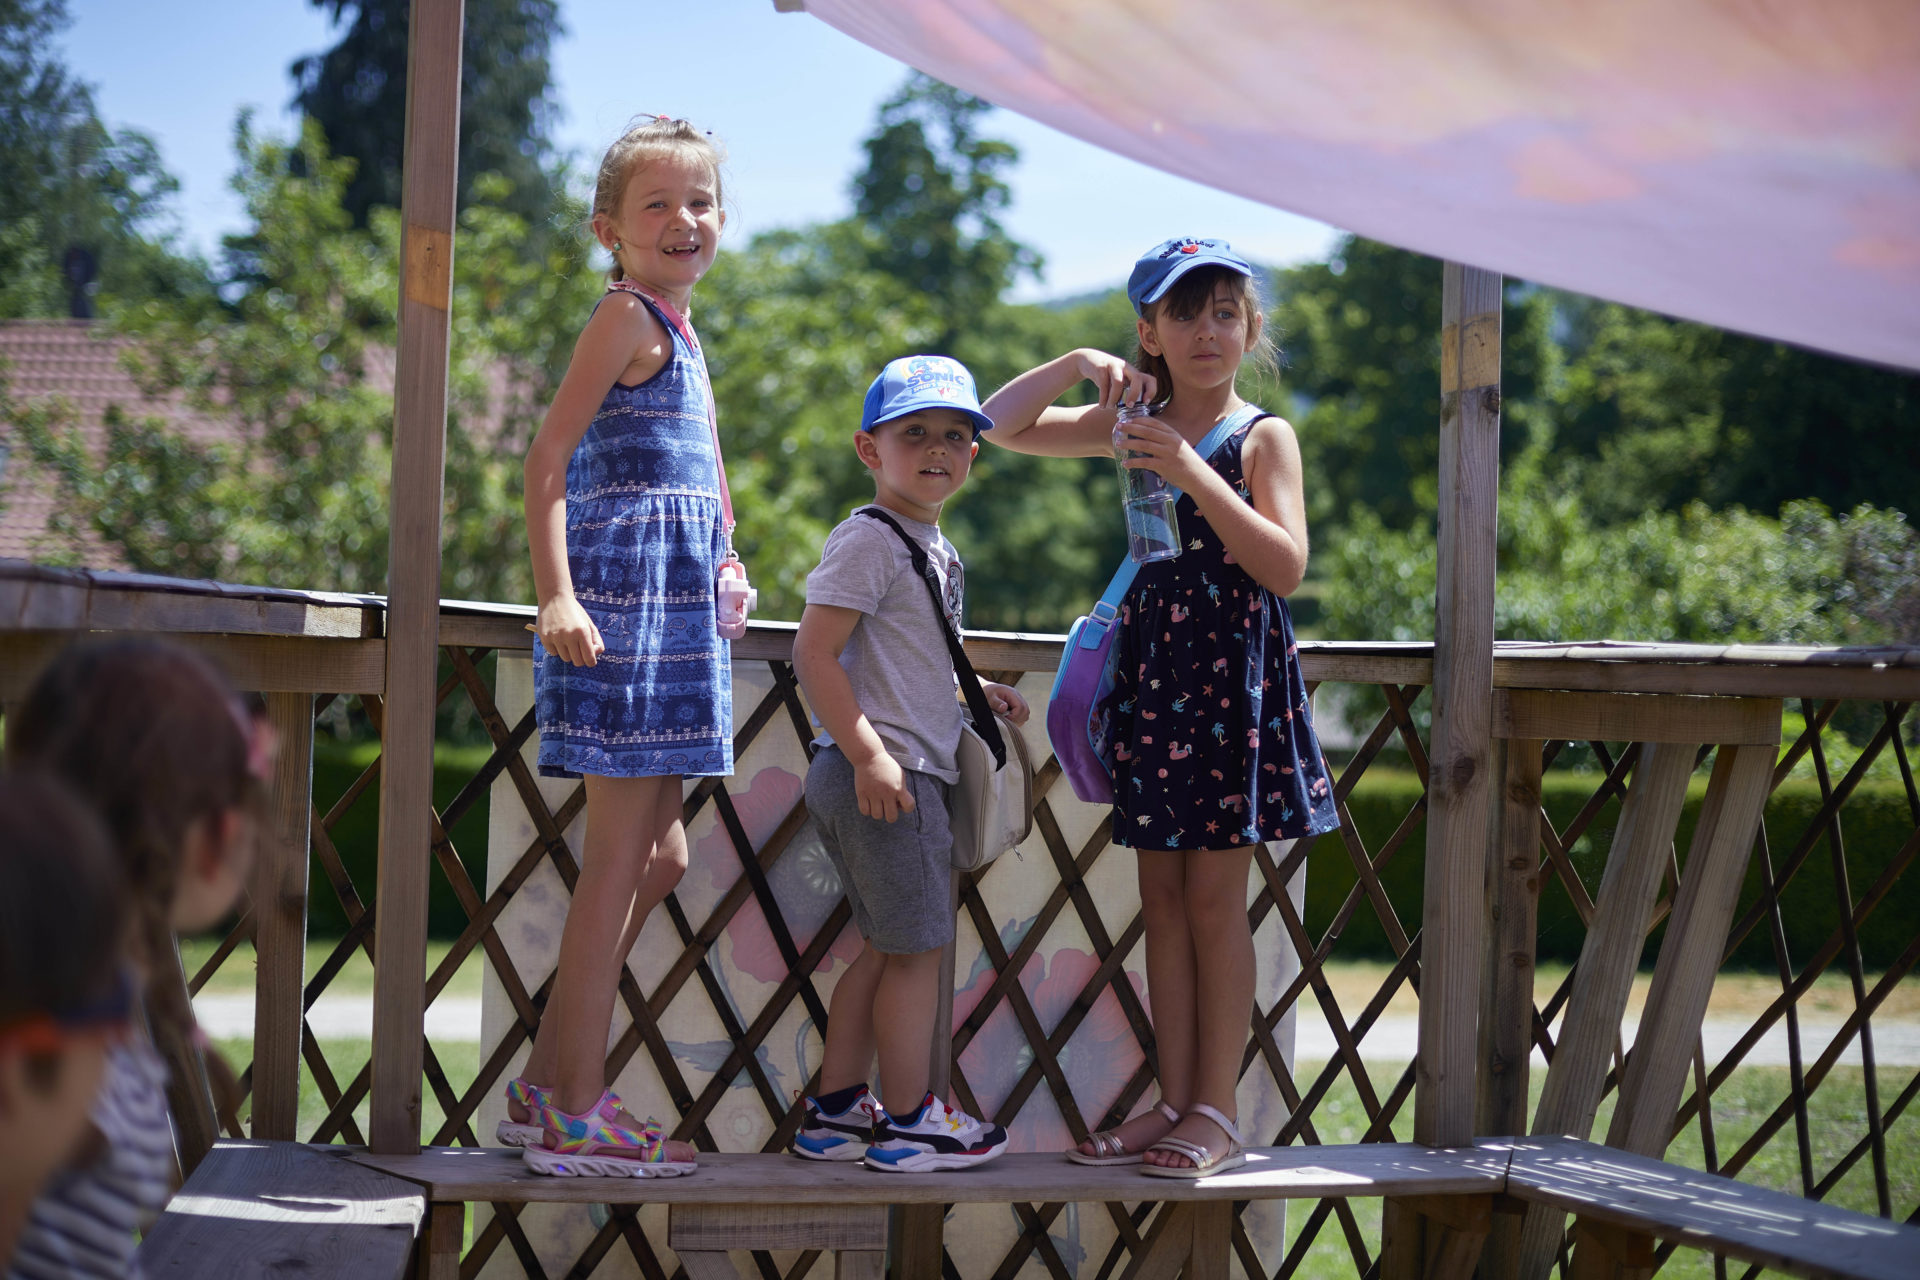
(671,314)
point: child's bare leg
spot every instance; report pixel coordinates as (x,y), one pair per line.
(543,1064)
(1170,978)
(904,1012)
(849,1038)
(630,863)
(1216,901)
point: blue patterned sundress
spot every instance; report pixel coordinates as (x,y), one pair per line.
(1213,738)
(644,540)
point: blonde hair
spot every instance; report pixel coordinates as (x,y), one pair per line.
(1187,295)
(649,138)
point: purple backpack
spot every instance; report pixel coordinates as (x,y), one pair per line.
(1077,721)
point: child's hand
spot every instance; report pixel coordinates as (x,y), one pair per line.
(880,784)
(1159,447)
(568,633)
(1006,701)
(1116,379)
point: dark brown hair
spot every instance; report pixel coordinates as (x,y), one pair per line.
(63,916)
(1188,295)
(156,740)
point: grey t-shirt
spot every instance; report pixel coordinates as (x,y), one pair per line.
(896,658)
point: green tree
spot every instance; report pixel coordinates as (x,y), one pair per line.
(357,92)
(1360,335)
(73,184)
(931,193)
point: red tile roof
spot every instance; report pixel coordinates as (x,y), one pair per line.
(77,362)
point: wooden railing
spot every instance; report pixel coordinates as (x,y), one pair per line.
(1052,1046)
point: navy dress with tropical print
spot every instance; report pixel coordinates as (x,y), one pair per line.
(1212,737)
(644,540)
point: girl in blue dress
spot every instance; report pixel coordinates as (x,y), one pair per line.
(632,685)
(1211,733)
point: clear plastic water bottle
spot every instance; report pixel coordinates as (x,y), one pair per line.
(1152,531)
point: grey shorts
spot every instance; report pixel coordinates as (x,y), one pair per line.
(898,874)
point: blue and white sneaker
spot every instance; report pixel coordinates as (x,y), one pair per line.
(931,1138)
(837,1135)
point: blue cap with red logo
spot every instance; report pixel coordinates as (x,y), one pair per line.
(922,382)
(1167,261)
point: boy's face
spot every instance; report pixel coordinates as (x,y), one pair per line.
(918,460)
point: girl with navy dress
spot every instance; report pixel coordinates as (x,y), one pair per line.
(632,683)
(1211,735)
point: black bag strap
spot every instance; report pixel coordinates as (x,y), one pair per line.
(984,722)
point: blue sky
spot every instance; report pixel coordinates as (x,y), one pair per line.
(790,96)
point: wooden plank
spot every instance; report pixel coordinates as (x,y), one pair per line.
(1603,979)
(264,664)
(279,893)
(85,605)
(413,600)
(1627,717)
(771,1225)
(440,1247)
(708,1264)
(1696,934)
(1754,1224)
(276,1208)
(917,1247)
(1787,680)
(1211,1253)
(1342,668)
(1168,1244)
(860,1264)
(1513,893)
(1271,1173)
(1458,792)
(1506,1008)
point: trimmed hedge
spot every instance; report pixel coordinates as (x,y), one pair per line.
(1875,822)
(357,834)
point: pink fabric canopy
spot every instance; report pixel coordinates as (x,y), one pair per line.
(1754,164)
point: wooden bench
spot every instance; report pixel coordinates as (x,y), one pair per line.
(273,1208)
(768,1201)
(1622,1200)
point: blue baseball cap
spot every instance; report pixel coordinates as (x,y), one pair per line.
(922,382)
(1167,261)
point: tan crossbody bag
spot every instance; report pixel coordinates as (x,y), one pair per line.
(992,804)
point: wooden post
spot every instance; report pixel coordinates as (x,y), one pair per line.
(413,575)
(280,922)
(918,1242)
(1459,787)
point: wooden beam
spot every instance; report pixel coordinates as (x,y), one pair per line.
(413,593)
(264,664)
(1690,951)
(280,922)
(1460,782)
(1506,1009)
(1603,980)
(1633,717)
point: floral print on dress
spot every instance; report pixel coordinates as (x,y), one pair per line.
(1211,731)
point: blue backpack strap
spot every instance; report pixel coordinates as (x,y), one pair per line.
(1108,606)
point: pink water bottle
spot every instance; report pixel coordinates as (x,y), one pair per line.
(734,598)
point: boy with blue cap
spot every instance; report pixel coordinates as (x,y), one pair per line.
(871,656)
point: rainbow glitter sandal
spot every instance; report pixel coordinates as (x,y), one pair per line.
(594,1145)
(511,1132)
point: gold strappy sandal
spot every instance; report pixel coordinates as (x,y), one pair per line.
(1205,1162)
(1109,1149)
